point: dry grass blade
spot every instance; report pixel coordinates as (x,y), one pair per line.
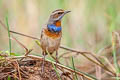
(115,41)
(118,37)
(18,69)
(108,63)
(98,72)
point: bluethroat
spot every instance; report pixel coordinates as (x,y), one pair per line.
(51,33)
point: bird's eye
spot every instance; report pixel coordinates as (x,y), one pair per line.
(60,13)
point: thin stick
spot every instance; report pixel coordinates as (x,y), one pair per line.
(26,54)
(18,68)
(23,46)
(24,35)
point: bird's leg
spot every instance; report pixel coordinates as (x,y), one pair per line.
(43,62)
(57,58)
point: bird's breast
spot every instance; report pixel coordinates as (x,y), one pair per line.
(52,34)
(50,41)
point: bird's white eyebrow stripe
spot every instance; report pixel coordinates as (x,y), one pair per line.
(57,12)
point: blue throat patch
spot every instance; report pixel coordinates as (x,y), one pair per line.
(53,28)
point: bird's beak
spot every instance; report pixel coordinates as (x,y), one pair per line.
(65,12)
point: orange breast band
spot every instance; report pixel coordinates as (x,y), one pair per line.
(52,35)
(58,24)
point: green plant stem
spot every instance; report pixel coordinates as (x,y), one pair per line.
(8,34)
(56,71)
(74,68)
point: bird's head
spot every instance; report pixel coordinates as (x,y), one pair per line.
(57,15)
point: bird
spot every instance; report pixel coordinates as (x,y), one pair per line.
(51,34)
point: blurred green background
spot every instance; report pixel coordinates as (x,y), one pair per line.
(88,27)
